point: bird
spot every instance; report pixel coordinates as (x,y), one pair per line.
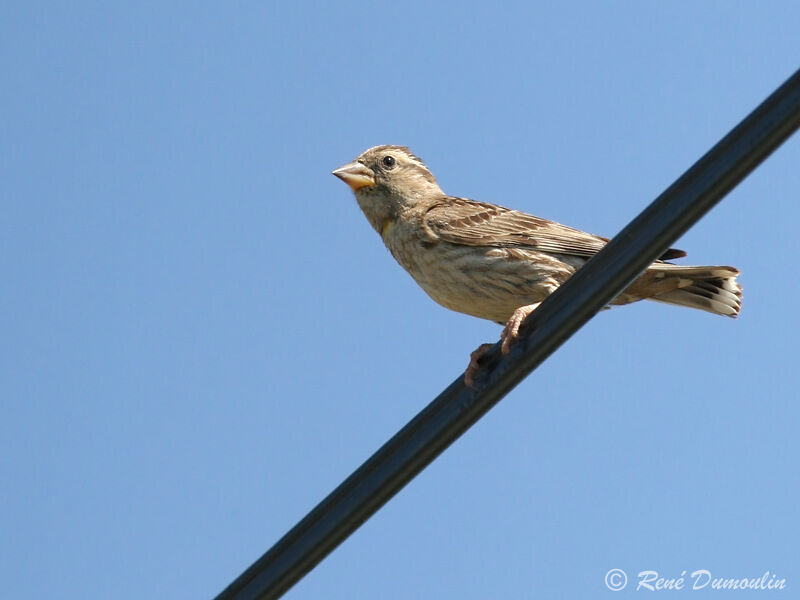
(497,263)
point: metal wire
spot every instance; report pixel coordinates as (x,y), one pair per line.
(457,408)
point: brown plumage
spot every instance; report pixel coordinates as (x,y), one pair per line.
(497,263)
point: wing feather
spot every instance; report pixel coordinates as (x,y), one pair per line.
(471,223)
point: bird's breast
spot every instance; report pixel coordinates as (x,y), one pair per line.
(481,281)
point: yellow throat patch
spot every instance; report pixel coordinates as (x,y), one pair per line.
(386,227)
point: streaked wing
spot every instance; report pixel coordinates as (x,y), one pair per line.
(472,223)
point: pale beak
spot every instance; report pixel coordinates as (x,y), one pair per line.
(355,175)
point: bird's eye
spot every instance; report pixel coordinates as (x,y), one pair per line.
(389,162)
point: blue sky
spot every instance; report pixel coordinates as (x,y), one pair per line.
(202,336)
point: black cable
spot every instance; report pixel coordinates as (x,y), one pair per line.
(457,408)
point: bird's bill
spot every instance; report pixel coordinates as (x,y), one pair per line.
(356,175)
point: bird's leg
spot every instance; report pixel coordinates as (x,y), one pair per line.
(510,333)
(511,330)
(474,359)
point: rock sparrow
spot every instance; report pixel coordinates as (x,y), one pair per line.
(497,263)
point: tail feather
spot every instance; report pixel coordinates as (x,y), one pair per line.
(712,289)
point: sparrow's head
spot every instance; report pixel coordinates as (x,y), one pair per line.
(391,171)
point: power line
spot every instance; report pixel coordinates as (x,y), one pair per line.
(457,408)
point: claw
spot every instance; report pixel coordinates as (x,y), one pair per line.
(474,366)
(510,333)
(511,330)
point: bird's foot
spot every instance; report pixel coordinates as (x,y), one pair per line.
(509,335)
(511,330)
(474,366)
